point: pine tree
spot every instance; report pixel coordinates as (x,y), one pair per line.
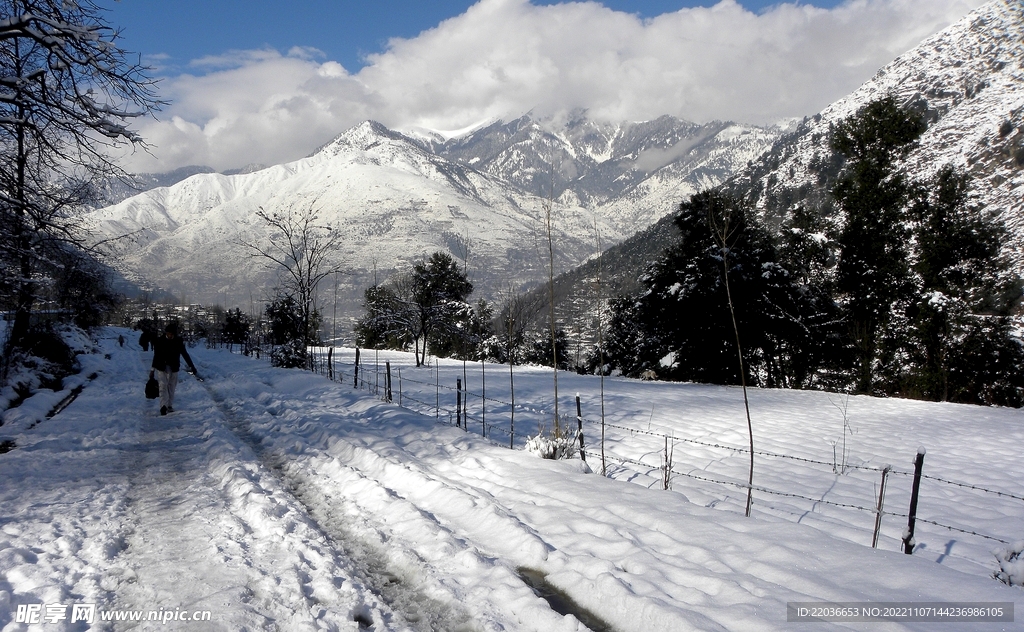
(873,274)
(962,348)
(439,292)
(236,327)
(389,322)
(680,327)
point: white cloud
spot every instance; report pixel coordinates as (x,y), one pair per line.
(502,58)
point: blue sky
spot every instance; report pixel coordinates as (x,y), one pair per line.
(261,81)
(344,31)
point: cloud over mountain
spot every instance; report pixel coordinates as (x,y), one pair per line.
(504,57)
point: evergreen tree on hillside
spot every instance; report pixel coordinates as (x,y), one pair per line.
(873,277)
(962,347)
(680,327)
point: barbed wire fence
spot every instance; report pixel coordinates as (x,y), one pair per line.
(503,413)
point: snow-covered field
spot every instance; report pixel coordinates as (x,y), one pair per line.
(800,439)
(277,499)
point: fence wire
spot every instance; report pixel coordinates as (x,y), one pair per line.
(341,375)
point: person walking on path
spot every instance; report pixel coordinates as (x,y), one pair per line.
(168,350)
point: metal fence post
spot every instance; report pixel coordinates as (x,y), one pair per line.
(908,535)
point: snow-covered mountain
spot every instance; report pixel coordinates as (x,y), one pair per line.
(967,81)
(398,198)
(393,200)
(482,195)
(596,164)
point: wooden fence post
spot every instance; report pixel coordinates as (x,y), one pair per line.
(878,512)
(330,363)
(458,402)
(387,382)
(355,378)
(579,425)
(399,386)
(908,535)
(483,397)
(512,409)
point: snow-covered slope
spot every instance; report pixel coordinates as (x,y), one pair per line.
(708,163)
(394,201)
(967,81)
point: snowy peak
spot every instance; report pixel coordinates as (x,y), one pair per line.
(362,137)
(592,162)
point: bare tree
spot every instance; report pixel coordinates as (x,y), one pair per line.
(600,338)
(516,313)
(723,229)
(551,309)
(67,95)
(303,249)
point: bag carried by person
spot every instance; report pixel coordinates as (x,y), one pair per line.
(152,388)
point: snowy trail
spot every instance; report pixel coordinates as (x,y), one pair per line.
(278,500)
(169,514)
(212,529)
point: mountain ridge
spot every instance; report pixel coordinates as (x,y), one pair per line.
(398,197)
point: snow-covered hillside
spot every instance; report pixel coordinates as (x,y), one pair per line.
(394,202)
(276,499)
(728,151)
(967,81)
(620,169)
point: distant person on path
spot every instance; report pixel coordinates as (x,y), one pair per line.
(167,353)
(120,340)
(147,338)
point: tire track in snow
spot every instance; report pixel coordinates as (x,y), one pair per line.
(428,526)
(395,587)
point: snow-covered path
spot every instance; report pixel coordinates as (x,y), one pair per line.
(278,500)
(120,507)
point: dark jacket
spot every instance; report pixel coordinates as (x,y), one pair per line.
(167,352)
